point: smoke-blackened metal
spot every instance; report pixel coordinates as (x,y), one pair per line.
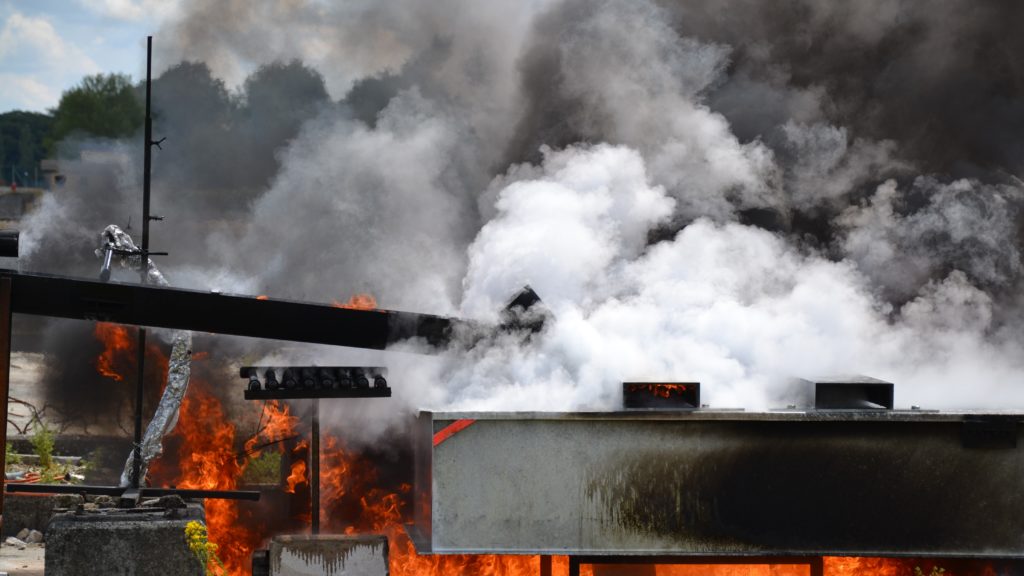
(721,483)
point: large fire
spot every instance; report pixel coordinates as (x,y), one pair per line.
(117,349)
(202,453)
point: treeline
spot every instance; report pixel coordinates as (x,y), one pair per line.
(22,144)
(213,132)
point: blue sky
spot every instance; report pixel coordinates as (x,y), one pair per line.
(47,46)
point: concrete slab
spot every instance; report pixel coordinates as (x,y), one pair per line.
(329,555)
(132,543)
(31,511)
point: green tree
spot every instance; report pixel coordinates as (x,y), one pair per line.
(104,105)
(21,142)
(26,153)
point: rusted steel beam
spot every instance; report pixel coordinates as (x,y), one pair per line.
(162,307)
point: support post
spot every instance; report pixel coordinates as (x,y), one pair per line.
(314,476)
(139,390)
(147,161)
(574,566)
(817,565)
(5,373)
(545,565)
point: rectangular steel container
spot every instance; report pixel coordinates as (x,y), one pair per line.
(721,483)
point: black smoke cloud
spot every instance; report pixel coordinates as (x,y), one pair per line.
(317,150)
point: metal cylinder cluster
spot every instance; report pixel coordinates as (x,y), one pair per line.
(315,378)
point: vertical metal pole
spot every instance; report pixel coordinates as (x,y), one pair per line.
(147,158)
(5,373)
(574,566)
(143,267)
(140,380)
(314,476)
(545,566)
(817,565)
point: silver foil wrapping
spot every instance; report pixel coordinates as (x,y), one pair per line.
(127,254)
(179,367)
(166,417)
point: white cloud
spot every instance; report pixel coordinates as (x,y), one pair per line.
(130,10)
(37,63)
(26,93)
(31,42)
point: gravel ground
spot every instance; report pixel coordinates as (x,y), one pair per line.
(27,562)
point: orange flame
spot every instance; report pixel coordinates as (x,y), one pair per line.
(206,460)
(298,476)
(277,423)
(263,297)
(352,501)
(117,349)
(357,302)
(663,390)
(348,485)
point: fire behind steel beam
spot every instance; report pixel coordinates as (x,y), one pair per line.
(720,483)
(162,307)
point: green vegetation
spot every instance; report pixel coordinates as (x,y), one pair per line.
(263,469)
(10,456)
(42,442)
(103,105)
(22,144)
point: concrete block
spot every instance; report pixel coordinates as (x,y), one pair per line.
(329,555)
(133,543)
(27,511)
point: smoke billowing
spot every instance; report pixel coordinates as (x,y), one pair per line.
(729,192)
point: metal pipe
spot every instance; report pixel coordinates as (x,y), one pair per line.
(143,268)
(108,256)
(147,161)
(314,479)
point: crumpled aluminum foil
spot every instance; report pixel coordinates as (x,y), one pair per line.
(127,254)
(179,367)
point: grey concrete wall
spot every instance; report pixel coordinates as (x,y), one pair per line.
(30,511)
(329,555)
(137,544)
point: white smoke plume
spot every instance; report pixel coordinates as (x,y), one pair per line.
(695,191)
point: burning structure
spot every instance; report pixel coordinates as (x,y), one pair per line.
(696,190)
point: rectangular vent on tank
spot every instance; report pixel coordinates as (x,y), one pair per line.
(852,393)
(661,395)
